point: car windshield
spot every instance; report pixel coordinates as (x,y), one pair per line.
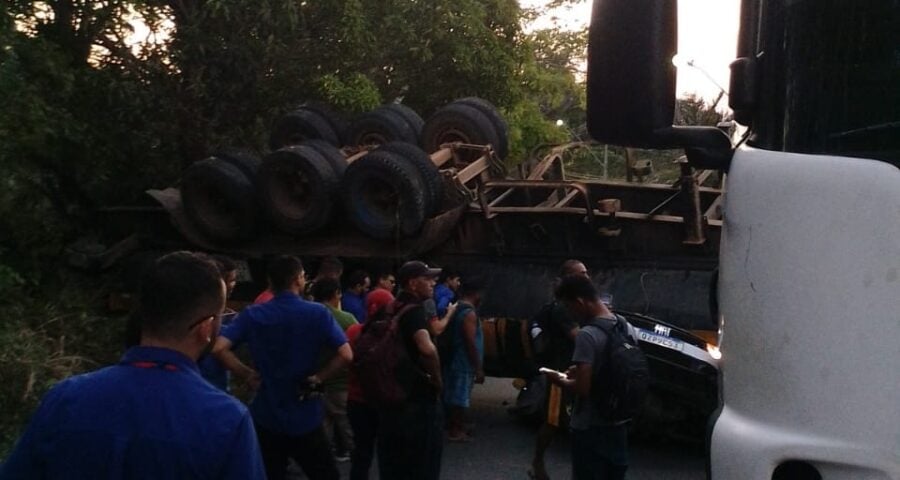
(831,78)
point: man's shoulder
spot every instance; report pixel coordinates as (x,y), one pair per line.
(93,382)
(221,405)
(344,319)
(410,310)
(412,316)
(292,304)
(595,332)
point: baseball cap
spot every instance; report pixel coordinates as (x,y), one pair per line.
(378,299)
(415,269)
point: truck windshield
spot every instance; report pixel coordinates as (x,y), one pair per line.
(830,80)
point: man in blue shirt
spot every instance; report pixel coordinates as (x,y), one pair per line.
(210,367)
(445,291)
(151,416)
(286,336)
(354,298)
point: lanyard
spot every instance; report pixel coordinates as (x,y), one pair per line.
(149,364)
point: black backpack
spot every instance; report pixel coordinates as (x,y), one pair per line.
(381,360)
(621,386)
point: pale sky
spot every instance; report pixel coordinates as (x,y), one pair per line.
(707,33)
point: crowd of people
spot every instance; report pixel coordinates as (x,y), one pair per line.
(339,372)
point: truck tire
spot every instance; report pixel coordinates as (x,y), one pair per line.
(336,119)
(410,116)
(383,196)
(299,125)
(219,200)
(378,127)
(458,123)
(428,173)
(336,160)
(297,187)
(490,111)
(246,161)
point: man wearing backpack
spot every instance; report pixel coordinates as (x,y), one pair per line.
(410,427)
(609,377)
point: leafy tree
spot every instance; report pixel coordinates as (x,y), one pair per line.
(96,119)
(693,110)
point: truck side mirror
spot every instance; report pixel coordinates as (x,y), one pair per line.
(631,82)
(631,78)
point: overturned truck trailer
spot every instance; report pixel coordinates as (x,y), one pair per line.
(653,247)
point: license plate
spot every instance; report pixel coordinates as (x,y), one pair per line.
(660,340)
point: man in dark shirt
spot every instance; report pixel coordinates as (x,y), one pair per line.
(410,435)
(554,330)
(152,415)
(285,337)
(599,445)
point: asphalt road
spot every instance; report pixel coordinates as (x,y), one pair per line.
(503,446)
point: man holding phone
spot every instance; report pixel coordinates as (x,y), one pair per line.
(599,442)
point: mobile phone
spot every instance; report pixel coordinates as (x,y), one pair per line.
(550,370)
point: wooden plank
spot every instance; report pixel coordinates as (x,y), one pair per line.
(472,170)
(357,156)
(543,166)
(442,156)
(641,186)
(714,212)
(501,197)
(565,201)
(704,176)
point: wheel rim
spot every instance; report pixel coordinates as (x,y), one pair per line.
(454,135)
(215,209)
(290,192)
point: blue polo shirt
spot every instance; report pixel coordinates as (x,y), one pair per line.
(355,304)
(211,368)
(285,336)
(442,298)
(151,416)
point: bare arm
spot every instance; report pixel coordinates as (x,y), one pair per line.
(438,326)
(469,326)
(578,379)
(430,360)
(339,361)
(582,379)
(222,351)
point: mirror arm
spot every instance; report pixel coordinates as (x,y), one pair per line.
(706,147)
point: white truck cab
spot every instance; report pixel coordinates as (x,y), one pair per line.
(809,270)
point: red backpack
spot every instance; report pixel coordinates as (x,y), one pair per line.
(380,358)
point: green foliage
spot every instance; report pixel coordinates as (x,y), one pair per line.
(356,94)
(529,130)
(693,110)
(45,338)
